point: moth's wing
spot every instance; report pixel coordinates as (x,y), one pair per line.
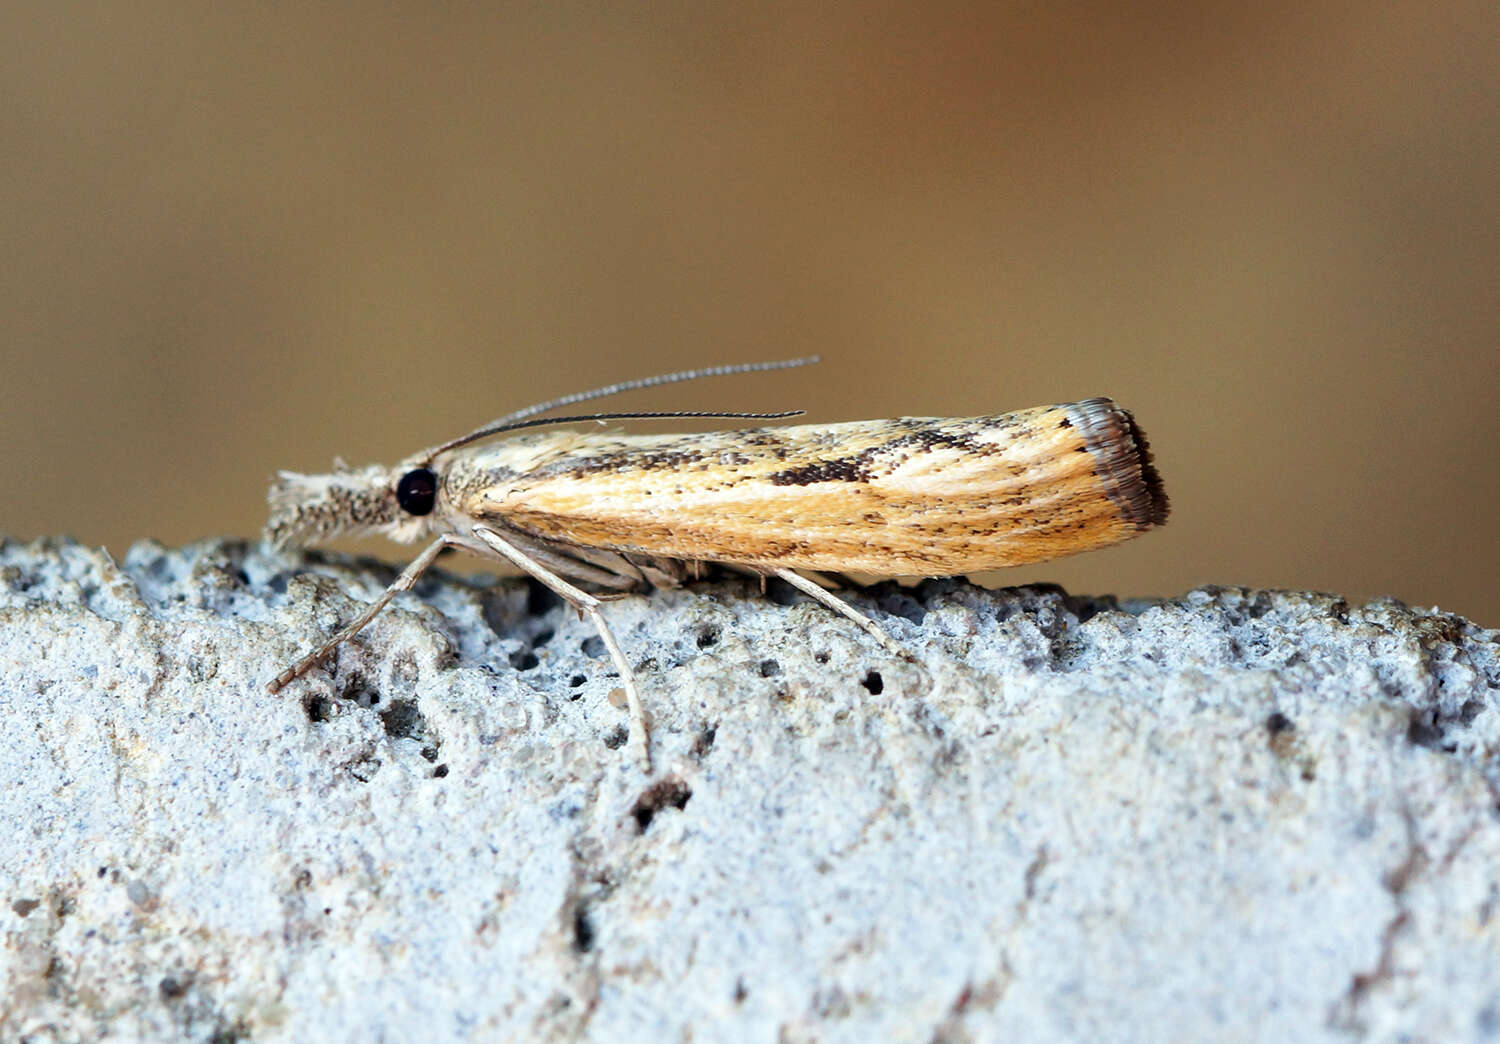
(912,496)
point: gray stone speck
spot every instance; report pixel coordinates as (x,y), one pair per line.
(1230,815)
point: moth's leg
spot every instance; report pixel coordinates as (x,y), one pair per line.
(665,573)
(842,607)
(587,605)
(404,582)
(610,561)
(563,561)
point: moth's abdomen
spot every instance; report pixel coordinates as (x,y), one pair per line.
(912,496)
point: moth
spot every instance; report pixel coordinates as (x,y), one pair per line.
(595,513)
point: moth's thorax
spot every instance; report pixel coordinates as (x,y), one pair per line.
(471,476)
(517,454)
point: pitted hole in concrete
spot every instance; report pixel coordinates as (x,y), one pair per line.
(161,568)
(669,793)
(822,657)
(317,707)
(542,637)
(577,680)
(708,637)
(358,691)
(782,593)
(172,988)
(540,599)
(769,668)
(583,929)
(441,772)
(1423,730)
(896,600)
(1277,723)
(524,660)
(141,894)
(593,647)
(616,739)
(402,720)
(429,753)
(873,682)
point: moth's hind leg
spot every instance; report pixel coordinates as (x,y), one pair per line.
(844,609)
(664,573)
(587,605)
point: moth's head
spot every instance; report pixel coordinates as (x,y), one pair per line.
(312,509)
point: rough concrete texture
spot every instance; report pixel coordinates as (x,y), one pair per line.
(1233,815)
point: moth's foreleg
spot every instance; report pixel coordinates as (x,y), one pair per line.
(843,608)
(404,582)
(587,605)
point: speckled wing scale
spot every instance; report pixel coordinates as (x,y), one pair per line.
(915,496)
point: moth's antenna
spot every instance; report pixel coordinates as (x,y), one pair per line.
(538,422)
(653,382)
(507,422)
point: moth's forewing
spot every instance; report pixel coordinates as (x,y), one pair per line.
(912,496)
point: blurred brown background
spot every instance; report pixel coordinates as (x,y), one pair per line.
(237,241)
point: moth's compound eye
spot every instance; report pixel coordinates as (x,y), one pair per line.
(417,491)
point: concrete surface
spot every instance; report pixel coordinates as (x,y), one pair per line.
(1234,815)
